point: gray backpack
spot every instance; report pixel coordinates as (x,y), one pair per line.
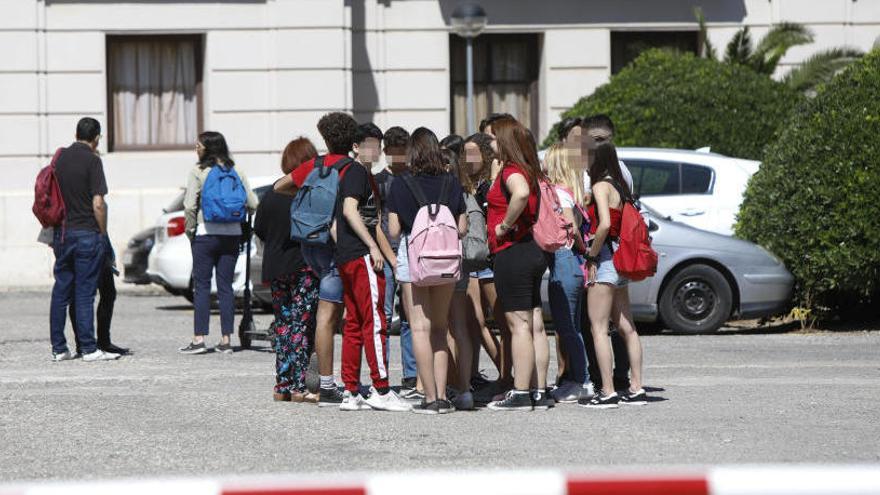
(475,245)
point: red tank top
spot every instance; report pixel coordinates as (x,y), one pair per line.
(616,215)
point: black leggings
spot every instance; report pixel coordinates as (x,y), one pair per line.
(518,273)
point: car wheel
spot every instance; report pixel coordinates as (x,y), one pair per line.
(697,299)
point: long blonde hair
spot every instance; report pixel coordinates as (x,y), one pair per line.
(563,170)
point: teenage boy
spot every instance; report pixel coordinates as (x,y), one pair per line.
(80,244)
(362,268)
(338,130)
(394,145)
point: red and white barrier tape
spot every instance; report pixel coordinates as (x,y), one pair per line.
(763,480)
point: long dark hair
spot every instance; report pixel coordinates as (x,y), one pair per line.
(216,150)
(605,164)
(423,153)
(517,145)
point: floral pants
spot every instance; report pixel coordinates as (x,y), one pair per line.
(294,301)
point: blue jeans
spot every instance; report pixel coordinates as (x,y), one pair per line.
(210,252)
(78,261)
(566,294)
(407,358)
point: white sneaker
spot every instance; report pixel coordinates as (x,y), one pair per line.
(62,356)
(464,402)
(100,355)
(353,402)
(388,402)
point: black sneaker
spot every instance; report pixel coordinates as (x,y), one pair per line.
(601,401)
(542,401)
(329,397)
(223,348)
(479,380)
(513,401)
(193,348)
(637,398)
(444,406)
(408,384)
(426,408)
(412,395)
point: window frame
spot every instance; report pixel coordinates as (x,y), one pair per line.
(198,41)
(617,36)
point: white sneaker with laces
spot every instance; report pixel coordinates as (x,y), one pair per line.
(353,402)
(388,402)
(100,355)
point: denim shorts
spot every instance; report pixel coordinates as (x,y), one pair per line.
(605,272)
(484,274)
(321,261)
(403,262)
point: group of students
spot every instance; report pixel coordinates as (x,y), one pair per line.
(458,228)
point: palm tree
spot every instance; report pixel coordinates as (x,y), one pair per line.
(765,56)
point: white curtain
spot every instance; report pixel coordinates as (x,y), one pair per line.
(507,89)
(153,85)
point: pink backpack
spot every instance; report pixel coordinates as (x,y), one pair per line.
(551,230)
(433,245)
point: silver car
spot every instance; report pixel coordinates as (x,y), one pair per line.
(704,279)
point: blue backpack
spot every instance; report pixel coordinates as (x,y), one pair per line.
(224,198)
(314,207)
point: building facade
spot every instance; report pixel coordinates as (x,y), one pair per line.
(155,73)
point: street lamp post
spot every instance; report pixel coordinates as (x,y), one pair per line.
(468,20)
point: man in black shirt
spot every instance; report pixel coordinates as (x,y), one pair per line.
(80,244)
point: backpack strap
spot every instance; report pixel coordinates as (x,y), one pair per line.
(415,188)
(434,208)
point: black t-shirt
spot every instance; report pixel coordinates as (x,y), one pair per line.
(403,201)
(384,180)
(80,176)
(356,182)
(281,255)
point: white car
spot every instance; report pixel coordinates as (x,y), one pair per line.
(700,189)
(170,260)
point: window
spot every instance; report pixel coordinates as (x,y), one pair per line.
(695,179)
(627,45)
(505,78)
(154,91)
(659,178)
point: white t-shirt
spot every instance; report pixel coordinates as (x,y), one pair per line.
(627,176)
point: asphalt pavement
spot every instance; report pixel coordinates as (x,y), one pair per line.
(737,397)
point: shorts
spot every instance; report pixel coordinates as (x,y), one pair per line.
(403,262)
(321,261)
(462,284)
(518,273)
(484,274)
(605,272)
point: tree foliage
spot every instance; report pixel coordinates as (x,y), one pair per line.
(815,201)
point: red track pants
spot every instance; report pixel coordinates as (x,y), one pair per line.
(365,326)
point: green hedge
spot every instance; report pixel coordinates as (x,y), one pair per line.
(815,201)
(674,100)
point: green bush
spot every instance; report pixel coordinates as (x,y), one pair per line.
(815,201)
(674,100)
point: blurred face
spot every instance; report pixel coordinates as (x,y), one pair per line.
(488,130)
(367,151)
(200,149)
(473,158)
(395,157)
(575,143)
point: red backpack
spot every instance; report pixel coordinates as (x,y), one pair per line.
(48,202)
(634,259)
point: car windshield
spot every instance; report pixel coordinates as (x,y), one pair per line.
(176,204)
